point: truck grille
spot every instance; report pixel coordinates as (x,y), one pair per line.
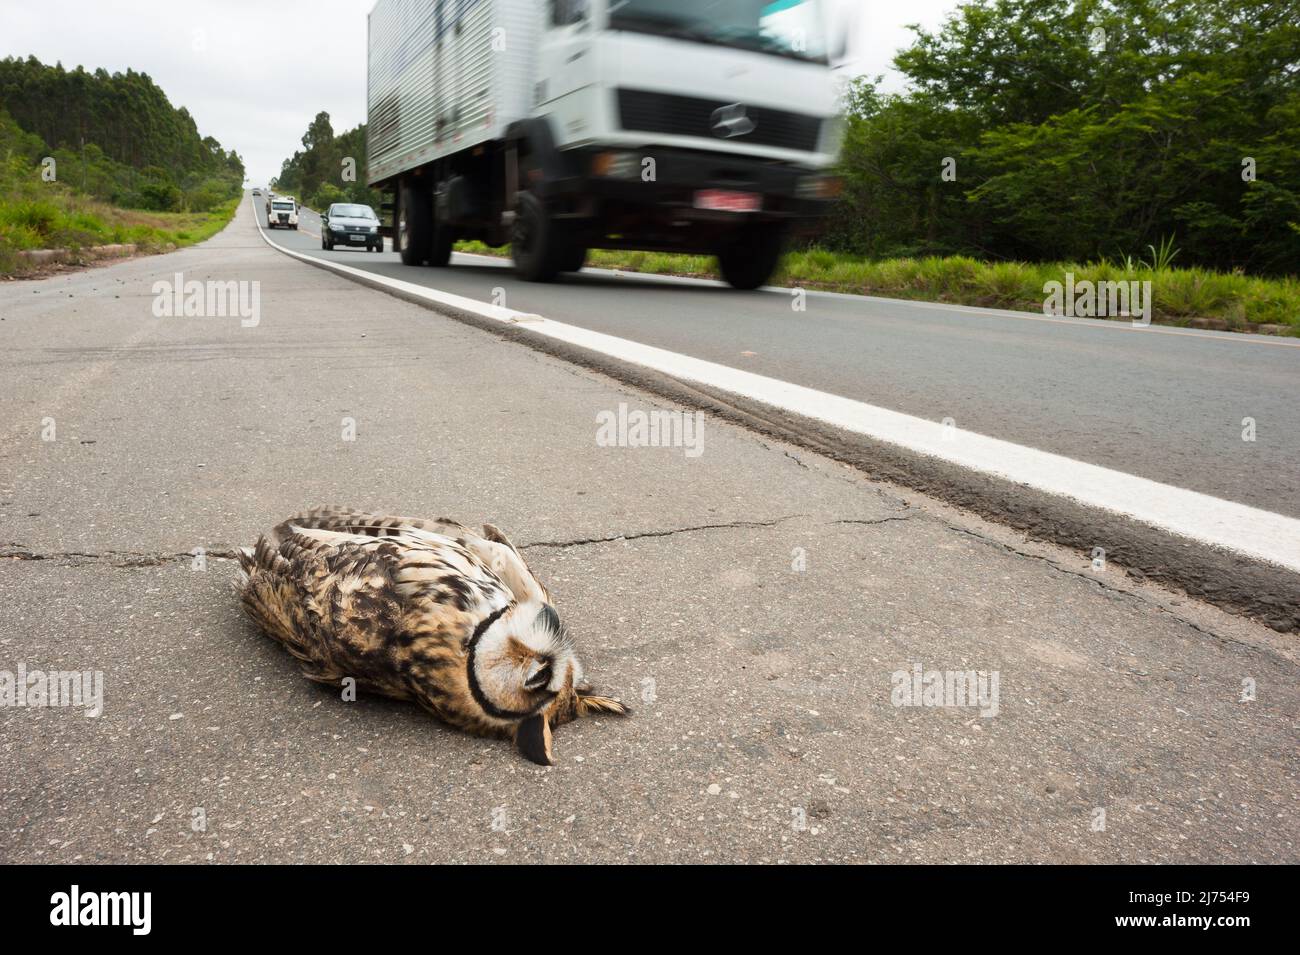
(651,112)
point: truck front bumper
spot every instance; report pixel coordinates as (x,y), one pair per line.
(655,194)
(672,177)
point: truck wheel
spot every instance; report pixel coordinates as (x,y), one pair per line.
(537,241)
(751,255)
(575,259)
(414,224)
(440,246)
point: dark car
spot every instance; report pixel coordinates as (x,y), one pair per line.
(350,224)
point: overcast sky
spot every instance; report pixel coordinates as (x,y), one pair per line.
(210,56)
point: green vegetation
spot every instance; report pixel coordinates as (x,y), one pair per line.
(65,220)
(1178,295)
(115,137)
(315,174)
(1082,129)
(75,197)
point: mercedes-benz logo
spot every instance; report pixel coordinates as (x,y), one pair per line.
(731,121)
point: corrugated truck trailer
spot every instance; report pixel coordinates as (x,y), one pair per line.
(559,126)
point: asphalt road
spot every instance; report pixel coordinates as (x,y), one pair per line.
(753,603)
(1160,403)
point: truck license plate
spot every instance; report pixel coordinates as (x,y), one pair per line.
(724,200)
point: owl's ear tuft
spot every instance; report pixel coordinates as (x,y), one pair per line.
(533,739)
(589,704)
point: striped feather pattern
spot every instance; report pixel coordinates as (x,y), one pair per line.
(420,610)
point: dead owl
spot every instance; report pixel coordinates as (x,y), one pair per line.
(421,610)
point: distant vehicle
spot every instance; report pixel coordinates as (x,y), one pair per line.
(257,192)
(658,125)
(282,211)
(350,223)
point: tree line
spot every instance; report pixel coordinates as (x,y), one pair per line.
(329,168)
(1081,130)
(115,136)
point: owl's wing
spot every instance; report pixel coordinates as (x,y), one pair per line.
(493,548)
(428,572)
(348,521)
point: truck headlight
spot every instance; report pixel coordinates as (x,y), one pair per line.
(616,165)
(832,137)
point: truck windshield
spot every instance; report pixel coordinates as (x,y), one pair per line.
(283,206)
(792,28)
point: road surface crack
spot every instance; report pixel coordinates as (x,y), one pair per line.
(1109,588)
(582,541)
(875,520)
(793,457)
(118,558)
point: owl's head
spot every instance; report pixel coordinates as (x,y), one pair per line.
(524,675)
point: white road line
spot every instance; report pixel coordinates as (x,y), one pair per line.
(1274,538)
(972,311)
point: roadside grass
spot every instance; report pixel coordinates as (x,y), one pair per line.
(53,217)
(1178,295)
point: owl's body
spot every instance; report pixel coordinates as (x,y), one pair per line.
(421,610)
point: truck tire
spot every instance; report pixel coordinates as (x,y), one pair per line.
(751,255)
(575,259)
(440,246)
(412,232)
(537,242)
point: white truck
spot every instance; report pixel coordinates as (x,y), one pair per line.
(281,211)
(559,126)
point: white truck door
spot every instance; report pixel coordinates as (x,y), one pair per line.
(567,70)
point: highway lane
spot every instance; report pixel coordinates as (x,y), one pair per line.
(1159,403)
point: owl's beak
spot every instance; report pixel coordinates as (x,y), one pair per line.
(533,739)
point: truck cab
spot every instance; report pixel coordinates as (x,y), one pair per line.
(281,211)
(701,126)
